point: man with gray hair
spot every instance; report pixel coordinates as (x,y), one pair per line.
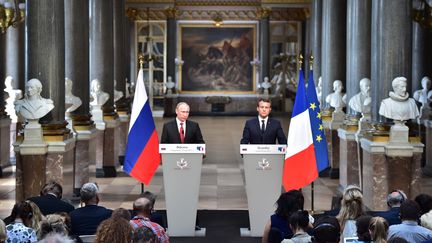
(85,220)
(143,207)
(394,201)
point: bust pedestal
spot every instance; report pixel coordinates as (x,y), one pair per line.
(5,126)
(110,148)
(349,161)
(331,127)
(123,130)
(388,165)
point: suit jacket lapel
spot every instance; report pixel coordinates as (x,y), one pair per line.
(258,126)
(176,130)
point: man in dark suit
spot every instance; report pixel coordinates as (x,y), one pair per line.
(181,130)
(85,220)
(50,202)
(394,201)
(263,129)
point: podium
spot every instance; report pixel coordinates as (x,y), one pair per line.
(181,164)
(263,165)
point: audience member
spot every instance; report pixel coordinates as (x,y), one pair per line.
(326,230)
(394,201)
(19,230)
(397,240)
(425,203)
(114,230)
(37,216)
(352,208)
(155,216)
(409,229)
(67,222)
(53,223)
(362,224)
(85,220)
(2,231)
(121,213)
(49,201)
(378,229)
(142,208)
(144,235)
(56,238)
(277,228)
(299,223)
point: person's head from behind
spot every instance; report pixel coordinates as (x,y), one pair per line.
(143,234)
(409,210)
(378,229)
(264,107)
(352,204)
(362,224)
(299,221)
(56,238)
(286,204)
(142,206)
(37,215)
(396,198)
(52,188)
(326,230)
(23,211)
(121,213)
(114,230)
(150,196)
(182,111)
(89,193)
(3,234)
(299,198)
(397,240)
(53,223)
(425,202)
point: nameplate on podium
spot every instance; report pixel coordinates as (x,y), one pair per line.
(262,149)
(175,148)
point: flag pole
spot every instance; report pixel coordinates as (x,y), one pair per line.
(311,60)
(141,66)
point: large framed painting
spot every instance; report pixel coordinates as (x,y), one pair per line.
(217,59)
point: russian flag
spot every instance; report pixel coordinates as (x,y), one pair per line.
(142,150)
(300,168)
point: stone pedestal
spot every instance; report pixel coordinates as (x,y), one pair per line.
(330,128)
(110,149)
(349,162)
(97,117)
(387,167)
(84,149)
(96,158)
(4,143)
(427,169)
(123,131)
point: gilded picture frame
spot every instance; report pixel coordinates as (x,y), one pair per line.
(217,59)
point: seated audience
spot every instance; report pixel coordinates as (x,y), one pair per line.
(114,230)
(142,207)
(409,229)
(277,227)
(326,230)
(37,216)
(144,235)
(56,238)
(425,203)
(394,201)
(299,223)
(18,230)
(85,220)
(49,201)
(2,232)
(155,216)
(121,213)
(352,208)
(378,228)
(362,224)
(53,223)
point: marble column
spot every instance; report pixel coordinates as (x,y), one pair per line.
(77,69)
(264,43)
(333,52)
(171,42)
(390,48)
(45,61)
(133,55)
(315,37)
(102,68)
(4,119)
(427,169)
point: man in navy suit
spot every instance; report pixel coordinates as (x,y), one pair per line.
(181,130)
(394,201)
(263,129)
(49,201)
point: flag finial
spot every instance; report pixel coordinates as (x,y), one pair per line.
(300,60)
(141,60)
(311,60)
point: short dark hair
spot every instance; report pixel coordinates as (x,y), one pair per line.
(397,240)
(121,213)
(287,203)
(326,229)
(266,100)
(425,202)
(54,188)
(362,224)
(299,219)
(409,210)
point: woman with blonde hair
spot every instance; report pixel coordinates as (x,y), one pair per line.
(37,216)
(378,229)
(351,209)
(2,232)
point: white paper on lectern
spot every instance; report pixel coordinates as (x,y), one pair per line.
(262,149)
(190,148)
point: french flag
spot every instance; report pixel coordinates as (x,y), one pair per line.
(300,168)
(142,150)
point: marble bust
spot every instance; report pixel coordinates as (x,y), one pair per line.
(33,106)
(169,85)
(422,94)
(12,96)
(117,93)
(361,102)
(71,101)
(266,85)
(98,97)
(337,99)
(318,90)
(399,106)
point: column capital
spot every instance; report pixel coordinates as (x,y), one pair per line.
(132,13)
(171,12)
(263,12)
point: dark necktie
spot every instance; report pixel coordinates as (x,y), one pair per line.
(182,135)
(262,126)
